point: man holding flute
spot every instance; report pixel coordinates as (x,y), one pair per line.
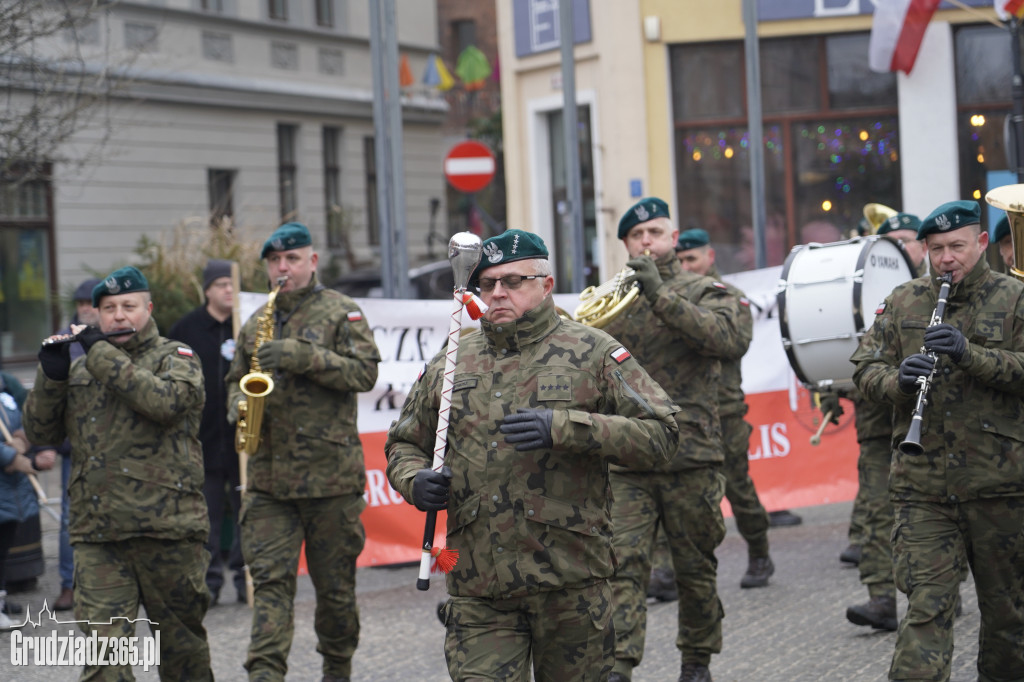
(540,407)
(131,408)
(963,495)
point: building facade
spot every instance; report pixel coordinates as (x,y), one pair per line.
(260,111)
(661,87)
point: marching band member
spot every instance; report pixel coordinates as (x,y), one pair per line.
(540,407)
(964,495)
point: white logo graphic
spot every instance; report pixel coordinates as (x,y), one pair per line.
(641,213)
(111,284)
(943,222)
(493,253)
(33,646)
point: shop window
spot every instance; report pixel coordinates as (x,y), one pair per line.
(790,75)
(851,84)
(697,74)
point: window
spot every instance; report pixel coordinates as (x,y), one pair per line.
(277,9)
(464,34)
(332,187)
(325,13)
(220,184)
(286,170)
(216,6)
(140,37)
(831,142)
(27,313)
(372,212)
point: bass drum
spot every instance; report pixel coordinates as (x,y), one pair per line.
(828,296)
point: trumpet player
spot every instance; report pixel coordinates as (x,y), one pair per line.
(131,407)
(963,496)
(679,328)
(305,481)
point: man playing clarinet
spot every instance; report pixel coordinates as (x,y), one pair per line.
(963,495)
(540,407)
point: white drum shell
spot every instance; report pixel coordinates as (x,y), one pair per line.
(827,299)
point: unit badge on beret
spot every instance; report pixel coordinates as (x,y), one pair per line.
(278,244)
(942,222)
(641,213)
(111,284)
(493,253)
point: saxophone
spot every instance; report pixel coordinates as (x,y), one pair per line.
(257,384)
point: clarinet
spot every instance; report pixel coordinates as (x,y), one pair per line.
(911,445)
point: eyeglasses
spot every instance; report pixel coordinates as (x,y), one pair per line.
(508,282)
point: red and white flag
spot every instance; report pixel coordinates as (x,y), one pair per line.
(1004,8)
(896,33)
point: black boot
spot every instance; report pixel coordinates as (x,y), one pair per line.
(663,585)
(850,555)
(758,571)
(783,517)
(878,612)
(694,672)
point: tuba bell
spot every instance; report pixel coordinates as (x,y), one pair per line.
(876,214)
(601,304)
(1010,198)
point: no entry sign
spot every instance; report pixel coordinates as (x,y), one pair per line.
(469,166)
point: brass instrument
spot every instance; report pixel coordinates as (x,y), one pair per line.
(1010,198)
(257,384)
(601,304)
(876,214)
(911,445)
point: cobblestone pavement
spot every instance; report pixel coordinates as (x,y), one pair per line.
(793,630)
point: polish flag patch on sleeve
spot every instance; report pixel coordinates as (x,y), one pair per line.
(620,355)
(880,309)
(744,301)
(187,352)
(719,285)
(355,316)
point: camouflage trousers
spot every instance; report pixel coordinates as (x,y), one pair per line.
(566,632)
(929,543)
(272,534)
(167,578)
(751,517)
(876,516)
(688,505)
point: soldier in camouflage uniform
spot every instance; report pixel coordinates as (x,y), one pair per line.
(872,507)
(965,493)
(540,407)
(306,480)
(131,407)
(678,329)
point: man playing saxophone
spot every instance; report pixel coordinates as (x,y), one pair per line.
(306,478)
(963,496)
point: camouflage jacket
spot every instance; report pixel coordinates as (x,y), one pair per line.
(973,425)
(730,392)
(532,521)
(309,445)
(680,340)
(132,413)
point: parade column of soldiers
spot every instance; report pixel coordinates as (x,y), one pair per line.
(131,407)
(306,480)
(678,329)
(540,407)
(964,495)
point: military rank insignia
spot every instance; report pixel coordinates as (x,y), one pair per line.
(620,355)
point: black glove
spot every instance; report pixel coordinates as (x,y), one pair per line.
(531,427)
(430,489)
(647,274)
(829,402)
(55,360)
(912,367)
(287,355)
(88,336)
(945,339)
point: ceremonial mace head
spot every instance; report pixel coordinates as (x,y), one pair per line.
(464,251)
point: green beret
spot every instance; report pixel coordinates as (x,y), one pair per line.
(287,237)
(646,209)
(509,246)
(1002,229)
(691,239)
(900,221)
(122,281)
(952,215)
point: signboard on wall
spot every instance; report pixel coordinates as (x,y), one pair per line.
(537,29)
(777,10)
